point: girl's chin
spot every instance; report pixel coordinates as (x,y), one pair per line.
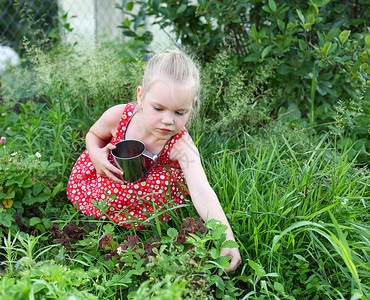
(162,135)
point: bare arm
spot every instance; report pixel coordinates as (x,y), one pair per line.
(204,198)
(98,146)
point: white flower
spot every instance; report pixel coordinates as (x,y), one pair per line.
(38,154)
(14,154)
(119,250)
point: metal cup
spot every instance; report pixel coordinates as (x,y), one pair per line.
(129,156)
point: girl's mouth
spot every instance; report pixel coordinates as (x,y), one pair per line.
(163,130)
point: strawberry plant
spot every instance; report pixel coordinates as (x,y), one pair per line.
(23,186)
(185,262)
(188,258)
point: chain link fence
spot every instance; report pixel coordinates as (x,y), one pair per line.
(21,18)
(91,21)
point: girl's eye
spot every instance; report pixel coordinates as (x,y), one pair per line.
(180,113)
(157,108)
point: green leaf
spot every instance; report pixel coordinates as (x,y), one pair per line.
(266,51)
(320,3)
(10,195)
(279,287)
(284,69)
(34,221)
(326,48)
(333,33)
(215,279)
(32,200)
(47,222)
(253,265)
(37,188)
(230,244)
(302,45)
(300,257)
(129,33)
(301,16)
(267,9)
(172,233)
(307,25)
(223,261)
(332,48)
(323,64)
(57,189)
(53,165)
(219,230)
(155,4)
(321,37)
(272,5)
(254,33)
(6,219)
(367,40)
(129,5)
(252,57)
(343,36)
(12,182)
(281,24)
(215,253)
(181,9)
(212,224)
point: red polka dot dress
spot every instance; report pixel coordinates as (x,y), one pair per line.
(130,204)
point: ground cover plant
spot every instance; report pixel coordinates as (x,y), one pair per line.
(298,202)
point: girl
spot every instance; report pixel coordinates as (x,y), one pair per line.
(166,100)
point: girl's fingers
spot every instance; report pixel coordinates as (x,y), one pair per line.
(235,258)
(116,173)
(114,177)
(110,147)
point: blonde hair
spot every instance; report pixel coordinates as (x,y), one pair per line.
(176,66)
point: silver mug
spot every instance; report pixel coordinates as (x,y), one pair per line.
(129,156)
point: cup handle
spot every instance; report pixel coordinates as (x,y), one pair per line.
(151,155)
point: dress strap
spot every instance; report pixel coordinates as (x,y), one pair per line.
(127,114)
(127,123)
(169,145)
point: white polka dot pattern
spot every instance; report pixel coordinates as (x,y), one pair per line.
(130,204)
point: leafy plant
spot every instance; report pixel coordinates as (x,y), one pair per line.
(23,184)
(189,258)
(35,276)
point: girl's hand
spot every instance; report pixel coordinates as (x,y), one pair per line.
(235,258)
(103,166)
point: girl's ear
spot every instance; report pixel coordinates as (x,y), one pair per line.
(139,96)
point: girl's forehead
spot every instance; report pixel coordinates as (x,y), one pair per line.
(171,93)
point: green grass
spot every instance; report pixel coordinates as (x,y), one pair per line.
(285,205)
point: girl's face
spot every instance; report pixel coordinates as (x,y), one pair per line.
(166,107)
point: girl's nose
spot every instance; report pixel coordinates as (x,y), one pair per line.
(167,119)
